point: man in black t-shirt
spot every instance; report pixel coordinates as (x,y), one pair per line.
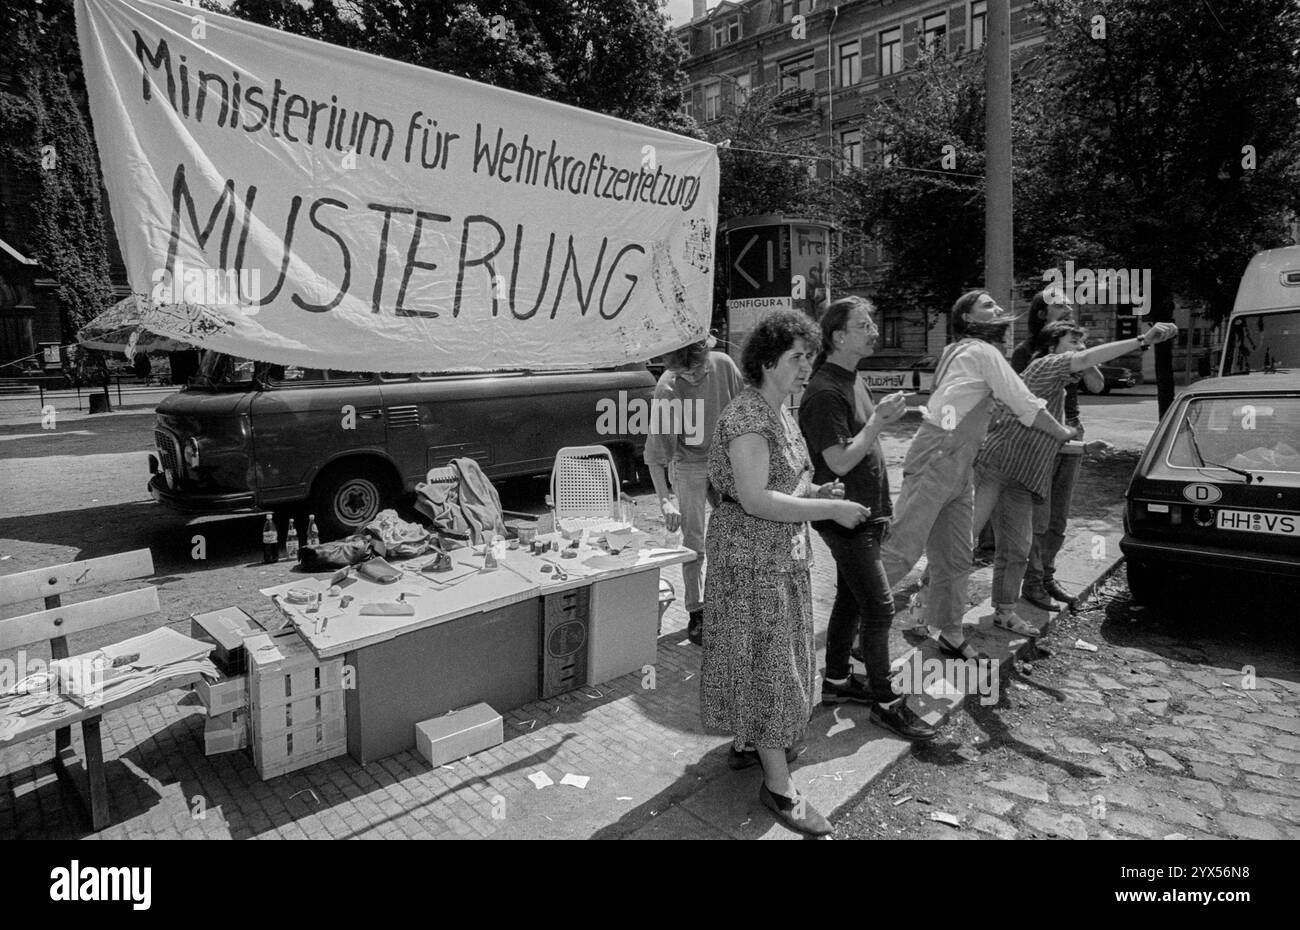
(842,428)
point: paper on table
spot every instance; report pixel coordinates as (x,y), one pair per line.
(162,646)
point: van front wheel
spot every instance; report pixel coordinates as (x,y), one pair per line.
(348,498)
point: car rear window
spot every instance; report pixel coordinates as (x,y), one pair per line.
(1254,434)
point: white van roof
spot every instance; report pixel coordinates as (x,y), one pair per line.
(1271,281)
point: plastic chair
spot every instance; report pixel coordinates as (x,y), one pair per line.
(584,489)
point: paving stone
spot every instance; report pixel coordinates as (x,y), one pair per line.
(1268,805)
(1131,654)
(1260,767)
(1287,786)
(1138,679)
(992,803)
(1202,677)
(994,826)
(1052,823)
(1121,796)
(1164,732)
(1152,695)
(1192,754)
(1210,772)
(1233,747)
(1156,667)
(1040,741)
(1278,754)
(1204,792)
(1176,810)
(1248,828)
(1129,822)
(1286,724)
(1078,744)
(1125,756)
(1022,785)
(1197,722)
(1070,797)
(1092,714)
(1084,696)
(1163,759)
(1106,683)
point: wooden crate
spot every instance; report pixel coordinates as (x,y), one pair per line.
(297,711)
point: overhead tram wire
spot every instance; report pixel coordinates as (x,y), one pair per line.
(953,174)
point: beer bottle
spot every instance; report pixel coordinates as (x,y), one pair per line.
(291,542)
(270,542)
(313,534)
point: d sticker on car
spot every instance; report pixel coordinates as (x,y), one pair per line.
(1202,493)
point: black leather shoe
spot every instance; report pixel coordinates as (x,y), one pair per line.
(854,689)
(795,814)
(1041,600)
(1056,591)
(695,627)
(900,719)
(748,757)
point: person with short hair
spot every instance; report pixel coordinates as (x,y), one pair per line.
(706,381)
(1014,468)
(935,507)
(842,426)
(758,673)
(1052,515)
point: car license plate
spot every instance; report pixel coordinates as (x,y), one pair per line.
(1252,521)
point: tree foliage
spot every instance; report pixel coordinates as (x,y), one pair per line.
(50,157)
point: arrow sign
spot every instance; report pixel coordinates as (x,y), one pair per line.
(755,268)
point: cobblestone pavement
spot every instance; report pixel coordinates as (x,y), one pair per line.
(1184,723)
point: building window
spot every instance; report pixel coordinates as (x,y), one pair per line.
(933,30)
(742,89)
(851,146)
(885,150)
(979,23)
(850,63)
(891,51)
(724,33)
(712,101)
(791,8)
(797,73)
(890,331)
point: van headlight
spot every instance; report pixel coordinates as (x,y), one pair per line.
(192,452)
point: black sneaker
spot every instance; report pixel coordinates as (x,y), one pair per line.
(695,627)
(854,689)
(748,757)
(900,719)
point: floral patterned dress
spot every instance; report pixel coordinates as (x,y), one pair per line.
(759,669)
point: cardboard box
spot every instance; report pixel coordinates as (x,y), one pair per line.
(225,733)
(459,734)
(226,628)
(224,695)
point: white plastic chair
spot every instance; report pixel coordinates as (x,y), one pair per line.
(584,489)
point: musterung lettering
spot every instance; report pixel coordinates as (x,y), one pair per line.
(478,252)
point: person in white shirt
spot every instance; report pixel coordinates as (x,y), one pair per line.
(935,507)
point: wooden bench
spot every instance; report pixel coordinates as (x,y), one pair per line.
(56,623)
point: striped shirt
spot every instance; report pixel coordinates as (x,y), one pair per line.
(1022,454)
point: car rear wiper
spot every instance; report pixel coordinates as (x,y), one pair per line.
(1196,447)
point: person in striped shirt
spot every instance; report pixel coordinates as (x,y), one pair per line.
(1014,468)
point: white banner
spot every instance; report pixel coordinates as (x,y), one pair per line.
(287,200)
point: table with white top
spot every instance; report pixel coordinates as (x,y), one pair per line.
(504,636)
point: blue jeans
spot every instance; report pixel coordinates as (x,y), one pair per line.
(1050,520)
(862,601)
(691,482)
(1011,506)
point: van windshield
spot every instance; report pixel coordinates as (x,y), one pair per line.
(1263,342)
(220,372)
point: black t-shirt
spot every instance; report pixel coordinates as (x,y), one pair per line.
(828,416)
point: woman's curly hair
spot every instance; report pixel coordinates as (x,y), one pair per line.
(774,335)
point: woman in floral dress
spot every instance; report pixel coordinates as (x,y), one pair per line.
(759,669)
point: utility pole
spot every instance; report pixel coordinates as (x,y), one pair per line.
(998,227)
